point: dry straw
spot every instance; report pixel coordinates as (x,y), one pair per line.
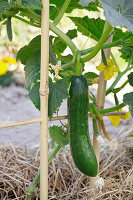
(19,166)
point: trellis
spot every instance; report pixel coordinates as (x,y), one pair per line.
(44,103)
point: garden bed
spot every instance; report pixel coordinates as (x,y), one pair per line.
(19,166)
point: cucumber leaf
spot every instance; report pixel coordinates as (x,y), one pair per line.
(34,47)
(119,13)
(128,99)
(90,76)
(27,4)
(130,79)
(131,110)
(57,135)
(32,71)
(34,95)
(89,27)
(28,50)
(57,92)
(85,2)
(4,5)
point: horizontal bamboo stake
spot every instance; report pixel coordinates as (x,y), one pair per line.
(20,123)
(54,119)
(89,115)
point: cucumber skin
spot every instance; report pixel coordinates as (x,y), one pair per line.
(80,144)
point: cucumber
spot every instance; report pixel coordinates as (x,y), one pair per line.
(79,139)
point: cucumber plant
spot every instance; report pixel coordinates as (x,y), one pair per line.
(67,70)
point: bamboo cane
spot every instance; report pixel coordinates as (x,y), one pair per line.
(100,99)
(53,119)
(44,100)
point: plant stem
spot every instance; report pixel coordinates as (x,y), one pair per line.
(31,15)
(104,131)
(107,30)
(96,111)
(116,90)
(64,37)
(33,185)
(67,65)
(26,21)
(112,56)
(120,74)
(53,154)
(62,11)
(95,128)
(108,110)
(109,45)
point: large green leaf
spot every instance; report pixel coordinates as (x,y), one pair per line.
(33,47)
(32,70)
(119,13)
(27,51)
(126,53)
(57,135)
(89,27)
(130,79)
(4,5)
(57,92)
(34,95)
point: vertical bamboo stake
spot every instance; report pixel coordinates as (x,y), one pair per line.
(44,101)
(100,99)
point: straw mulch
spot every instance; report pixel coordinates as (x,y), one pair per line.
(19,166)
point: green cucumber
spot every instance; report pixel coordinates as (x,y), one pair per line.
(80,144)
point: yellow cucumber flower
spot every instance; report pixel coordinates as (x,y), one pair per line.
(116,119)
(3,68)
(9,60)
(109,69)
